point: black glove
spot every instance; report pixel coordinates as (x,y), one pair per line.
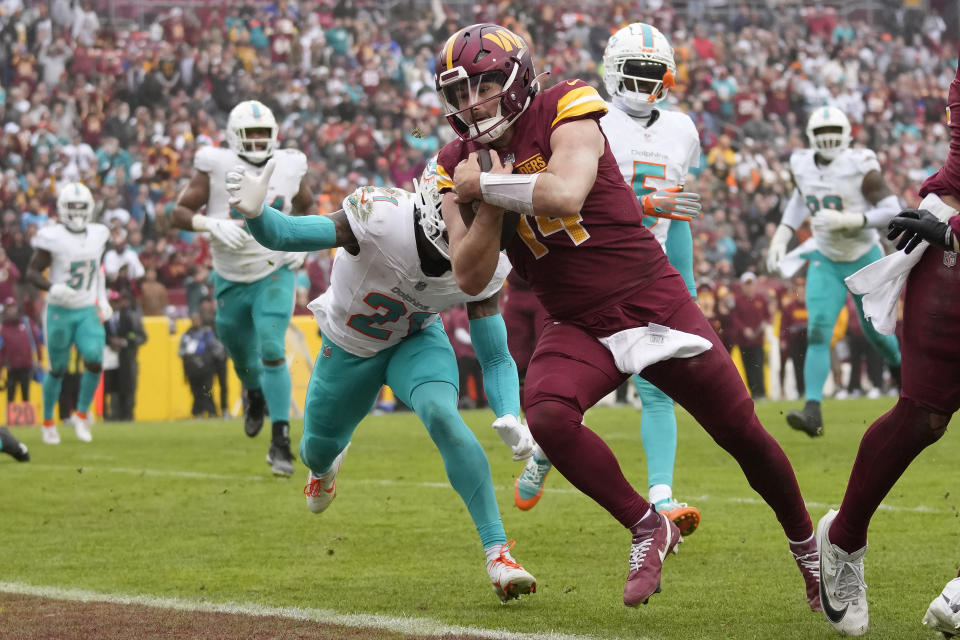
(914,226)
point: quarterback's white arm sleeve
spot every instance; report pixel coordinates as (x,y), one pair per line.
(882,212)
(795,212)
(510,191)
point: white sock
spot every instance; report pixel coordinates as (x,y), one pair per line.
(660,492)
(812,536)
(538,453)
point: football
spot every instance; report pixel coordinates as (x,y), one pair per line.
(510,218)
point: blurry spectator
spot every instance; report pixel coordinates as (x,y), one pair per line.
(20,353)
(54,60)
(19,251)
(9,276)
(125,334)
(208,316)
(198,350)
(198,287)
(750,317)
(456,323)
(862,356)
(153,295)
(120,256)
(793,332)
(114,215)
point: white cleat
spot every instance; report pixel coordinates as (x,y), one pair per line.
(943,614)
(843,591)
(321,490)
(508,578)
(50,435)
(82,428)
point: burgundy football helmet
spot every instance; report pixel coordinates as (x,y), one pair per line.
(480,64)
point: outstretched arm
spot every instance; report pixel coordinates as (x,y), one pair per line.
(279,232)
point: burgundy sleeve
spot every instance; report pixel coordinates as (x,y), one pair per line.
(954,223)
(946,181)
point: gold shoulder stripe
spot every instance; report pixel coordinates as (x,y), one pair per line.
(588,102)
(574,95)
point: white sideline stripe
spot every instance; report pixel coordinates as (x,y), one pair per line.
(421,626)
(161,473)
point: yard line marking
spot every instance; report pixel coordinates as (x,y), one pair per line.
(161,473)
(410,625)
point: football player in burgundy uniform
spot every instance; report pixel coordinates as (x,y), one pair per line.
(930,395)
(616,306)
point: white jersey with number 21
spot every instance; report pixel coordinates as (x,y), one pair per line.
(381,295)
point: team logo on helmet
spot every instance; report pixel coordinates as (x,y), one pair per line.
(486,80)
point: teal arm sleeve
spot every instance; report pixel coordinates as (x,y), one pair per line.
(280,232)
(500,381)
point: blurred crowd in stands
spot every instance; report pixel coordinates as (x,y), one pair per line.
(103,92)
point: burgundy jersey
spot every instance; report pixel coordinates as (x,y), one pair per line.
(946,181)
(577,264)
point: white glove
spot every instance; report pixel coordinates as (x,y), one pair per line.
(778,248)
(62,295)
(106,311)
(229,232)
(515,435)
(830,220)
(247,192)
(672,203)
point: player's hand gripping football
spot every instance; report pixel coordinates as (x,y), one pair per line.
(672,203)
(466,176)
(515,435)
(914,226)
(247,191)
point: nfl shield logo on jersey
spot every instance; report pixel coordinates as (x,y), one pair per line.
(327,351)
(949,259)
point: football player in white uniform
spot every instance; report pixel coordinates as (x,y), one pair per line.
(254,286)
(379,320)
(844,192)
(655,149)
(76,302)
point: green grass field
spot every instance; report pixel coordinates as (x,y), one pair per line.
(189,510)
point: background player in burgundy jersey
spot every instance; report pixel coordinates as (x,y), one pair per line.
(930,395)
(604,281)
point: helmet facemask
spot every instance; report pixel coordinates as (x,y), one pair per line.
(252,131)
(77,216)
(461,94)
(642,83)
(829,141)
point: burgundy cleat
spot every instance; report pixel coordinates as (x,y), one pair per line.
(650,547)
(808,561)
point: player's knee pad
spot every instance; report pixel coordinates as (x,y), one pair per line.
(925,425)
(271,350)
(93,367)
(551,421)
(58,372)
(819,333)
(319,451)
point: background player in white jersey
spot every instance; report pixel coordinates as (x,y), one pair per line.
(844,192)
(254,286)
(655,149)
(379,320)
(76,302)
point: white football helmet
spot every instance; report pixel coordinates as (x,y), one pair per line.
(638,66)
(75,206)
(244,119)
(427,202)
(828,131)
